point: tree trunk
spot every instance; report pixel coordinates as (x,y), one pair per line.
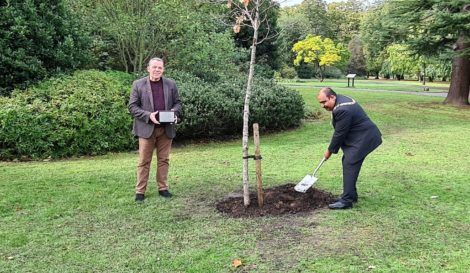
(460,77)
(424,74)
(246,113)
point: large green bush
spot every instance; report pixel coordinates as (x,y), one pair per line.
(86,113)
(38,39)
(216,110)
(71,115)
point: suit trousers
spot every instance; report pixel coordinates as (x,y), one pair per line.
(350,175)
(159,141)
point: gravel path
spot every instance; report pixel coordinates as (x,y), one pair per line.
(420,93)
(423,93)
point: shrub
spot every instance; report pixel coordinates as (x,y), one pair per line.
(86,113)
(39,39)
(71,115)
(288,72)
(217,110)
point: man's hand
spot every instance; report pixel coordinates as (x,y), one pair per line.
(327,154)
(153,117)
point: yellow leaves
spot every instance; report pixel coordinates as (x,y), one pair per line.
(314,49)
(236,263)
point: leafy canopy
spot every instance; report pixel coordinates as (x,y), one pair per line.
(323,52)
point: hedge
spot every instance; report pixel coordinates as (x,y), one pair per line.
(86,113)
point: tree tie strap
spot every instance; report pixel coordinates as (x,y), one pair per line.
(254,157)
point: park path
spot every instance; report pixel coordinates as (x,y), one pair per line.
(419,93)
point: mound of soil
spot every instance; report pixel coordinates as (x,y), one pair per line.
(278,200)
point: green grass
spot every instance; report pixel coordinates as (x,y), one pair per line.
(371,84)
(79,215)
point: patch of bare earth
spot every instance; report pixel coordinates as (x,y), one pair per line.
(277,201)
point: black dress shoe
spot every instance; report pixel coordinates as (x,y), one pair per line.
(165,193)
(340,205)
(339,200)
(139,197)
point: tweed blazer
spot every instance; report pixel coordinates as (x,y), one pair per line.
(354,132)
(141,106)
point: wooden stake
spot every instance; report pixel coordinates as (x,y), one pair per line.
(258,165)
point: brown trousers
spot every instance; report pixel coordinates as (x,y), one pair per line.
(162,143)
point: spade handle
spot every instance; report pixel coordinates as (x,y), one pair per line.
(318,167)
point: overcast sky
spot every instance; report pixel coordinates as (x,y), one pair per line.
(285,3)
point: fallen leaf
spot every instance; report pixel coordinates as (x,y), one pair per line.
(237,263)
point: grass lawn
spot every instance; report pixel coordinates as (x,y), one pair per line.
(79,215)
(371,84)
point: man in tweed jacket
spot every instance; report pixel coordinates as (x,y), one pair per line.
(150,95)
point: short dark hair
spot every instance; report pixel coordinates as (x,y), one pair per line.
(328,91)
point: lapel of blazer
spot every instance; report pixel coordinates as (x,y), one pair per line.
(148,89)
(165,92)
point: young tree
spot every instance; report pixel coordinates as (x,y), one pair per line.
(321,52)
(248,14)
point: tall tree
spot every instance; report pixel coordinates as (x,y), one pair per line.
(321,52)
(357,61)
(376,34)
(347,18)
(435,26)
(316,13)
(183,32)
(294,27)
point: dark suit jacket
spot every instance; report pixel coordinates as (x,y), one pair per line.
(141,106)
(354,132)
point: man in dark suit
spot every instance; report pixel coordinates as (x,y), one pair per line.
(355,134)
(149,96)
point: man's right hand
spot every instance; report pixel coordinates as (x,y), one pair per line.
(153,117)
(327,154)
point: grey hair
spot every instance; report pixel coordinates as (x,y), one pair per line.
(156,59)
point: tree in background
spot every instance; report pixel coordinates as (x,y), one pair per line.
(376,34)
(401,61)
(38,39)
(357,61)
(321,52)
(346,19)
(433,27)
(316,13)
(294,27)
(182,32)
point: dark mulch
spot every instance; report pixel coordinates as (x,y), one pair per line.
(278,200)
